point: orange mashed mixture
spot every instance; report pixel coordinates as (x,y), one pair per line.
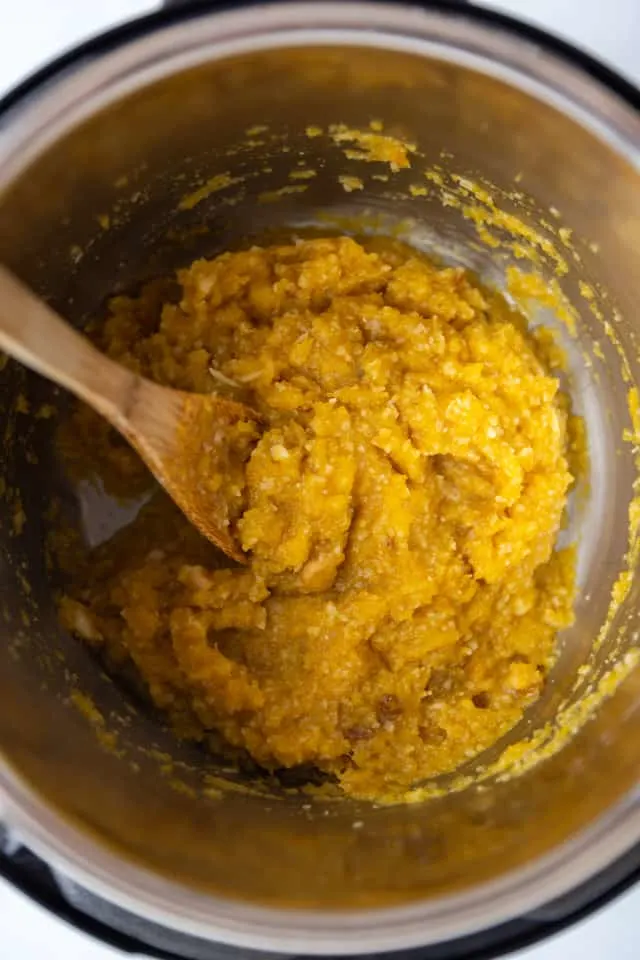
(402,594)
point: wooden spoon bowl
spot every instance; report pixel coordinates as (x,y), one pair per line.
(194,444)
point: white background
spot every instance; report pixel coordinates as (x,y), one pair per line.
(32,31)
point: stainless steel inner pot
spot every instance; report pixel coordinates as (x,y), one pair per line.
(127,130)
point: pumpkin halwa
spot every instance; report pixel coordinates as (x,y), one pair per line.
(399,606)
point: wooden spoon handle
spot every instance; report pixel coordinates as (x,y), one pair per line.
(31,332)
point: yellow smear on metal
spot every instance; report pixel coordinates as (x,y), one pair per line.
(220,182)
(349,184)
(303,174)
(435,177)
(85,705)
(272,196)
(19,516)
(485,213)
(531,289)
(372,146)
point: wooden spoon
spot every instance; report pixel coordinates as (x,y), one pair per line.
(190,442)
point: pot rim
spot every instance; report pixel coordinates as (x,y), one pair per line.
(60,96)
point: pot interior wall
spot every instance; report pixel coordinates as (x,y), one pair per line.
(134,161)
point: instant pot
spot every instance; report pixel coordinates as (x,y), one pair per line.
(108,821)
